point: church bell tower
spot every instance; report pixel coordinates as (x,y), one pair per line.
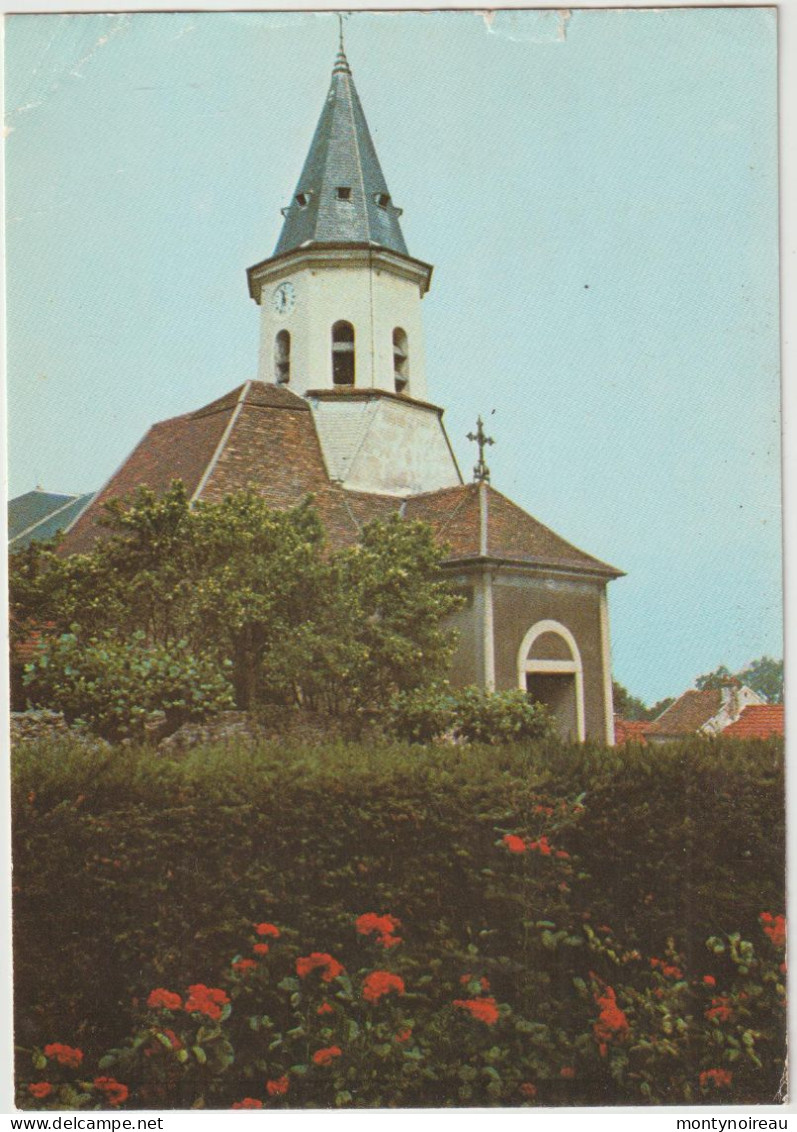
(340,303)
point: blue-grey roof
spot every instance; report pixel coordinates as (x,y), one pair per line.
(39,515)
(342,156)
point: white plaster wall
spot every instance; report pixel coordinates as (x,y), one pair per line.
(385,446)
(734,701)
(372,298)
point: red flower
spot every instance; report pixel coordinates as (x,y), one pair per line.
(248,1102)
(720,1009)
(568,1072)
(774,927)
(164,999)
(206,1000)
(709,981)
(115,1093)
(269,930)
(612,1022)
(514,843)
(562,854)
(383,927)
(403,1036)
(260,948)
(325,1056)
(244,965)
(484,982)
(278,1088)
(325,1008)
(528,1090)
(40,1090)
(379,983)
(330,967)
(64,1055)
(720,1078)
(484,1009)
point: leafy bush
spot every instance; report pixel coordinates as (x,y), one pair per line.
(258,589)
(116,686)
(581,883)
(428,713)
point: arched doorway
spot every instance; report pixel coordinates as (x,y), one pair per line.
(551,672)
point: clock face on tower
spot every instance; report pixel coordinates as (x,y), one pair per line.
(283,300)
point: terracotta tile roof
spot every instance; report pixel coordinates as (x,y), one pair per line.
(630,731)
(257,435)
(757,721)
(689,712)
(512,534)
(264,437)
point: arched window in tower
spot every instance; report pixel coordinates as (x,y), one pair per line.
(401,361)
(282,358)
(343,353)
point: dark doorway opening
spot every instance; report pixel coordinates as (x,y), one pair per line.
(557,691)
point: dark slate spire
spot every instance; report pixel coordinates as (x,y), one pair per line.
(341,196)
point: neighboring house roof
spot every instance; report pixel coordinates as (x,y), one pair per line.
(512,534)
(39,515)
(708,710)
(630,731)
(689,712)
(757,721)
(341,156)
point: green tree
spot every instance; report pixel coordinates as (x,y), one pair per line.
(713,679)
(257,589)
(765,676)
(627,706)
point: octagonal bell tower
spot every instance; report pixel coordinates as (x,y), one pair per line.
(340,303)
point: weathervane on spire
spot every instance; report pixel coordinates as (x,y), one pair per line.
(481,473)
(341,62)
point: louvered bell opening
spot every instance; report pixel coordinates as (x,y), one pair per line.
(343,353)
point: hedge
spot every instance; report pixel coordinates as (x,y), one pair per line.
(605,906)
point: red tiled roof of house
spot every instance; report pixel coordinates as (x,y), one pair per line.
(630,731)
(512,534)
(689,712)
(757,721)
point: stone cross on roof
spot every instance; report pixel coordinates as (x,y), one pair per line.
(481,473)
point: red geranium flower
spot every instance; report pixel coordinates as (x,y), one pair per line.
(40,1090)
(403,1036)
(248,1102)
(514,843)
(325,1056)
(206,1000)
(719,1078)
(278,1088)
(244,965)
(484,1009)
(383,927)
(775,928)
(260,948)
(528,1090)
(612,1022)
(115,1093)
(720,1009)
(709,980)
(568,1072)
(379,983)
(325,1008)
(268,929)
(164,999)
(330,968)
(64,1055)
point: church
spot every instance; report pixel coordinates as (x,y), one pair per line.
(340,411)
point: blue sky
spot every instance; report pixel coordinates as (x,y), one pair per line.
(598,195)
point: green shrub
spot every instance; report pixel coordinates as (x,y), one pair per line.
(554,872)
(470,714)
(116,686)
